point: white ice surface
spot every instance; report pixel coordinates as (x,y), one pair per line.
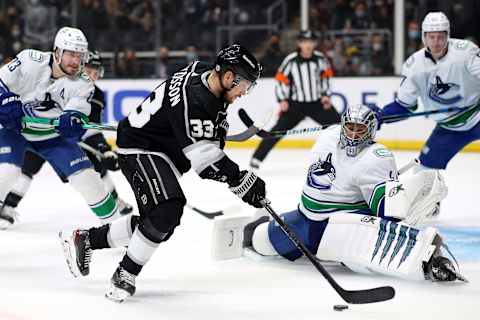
(182,282)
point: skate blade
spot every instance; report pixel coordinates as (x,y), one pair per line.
(67,252)
(116,295)
(459,276)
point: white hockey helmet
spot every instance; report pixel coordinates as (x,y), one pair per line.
(357,115)
(71,39)
(435,22)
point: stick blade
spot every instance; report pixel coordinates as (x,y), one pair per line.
(368,296)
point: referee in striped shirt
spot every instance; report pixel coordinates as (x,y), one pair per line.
(302,90)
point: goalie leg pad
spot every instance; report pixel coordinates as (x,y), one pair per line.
(414,197)
(377,245)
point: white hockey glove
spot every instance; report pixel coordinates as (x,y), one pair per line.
(414,198)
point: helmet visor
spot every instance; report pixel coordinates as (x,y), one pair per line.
(246,86)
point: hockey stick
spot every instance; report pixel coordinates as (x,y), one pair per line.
(86,147)
(54,122)
(242,136)
(245,118)
(206,214)
(351,296)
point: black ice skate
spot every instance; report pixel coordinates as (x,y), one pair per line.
(442,269)
(8,217)
(77,250)
(122,285)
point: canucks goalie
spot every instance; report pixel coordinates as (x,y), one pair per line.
(354,209)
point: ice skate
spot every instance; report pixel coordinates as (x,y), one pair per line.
(77,250)
(8,217)
(122,285)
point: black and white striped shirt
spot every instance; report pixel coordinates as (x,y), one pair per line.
(303,80)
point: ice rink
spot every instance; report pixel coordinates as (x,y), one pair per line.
(183,282)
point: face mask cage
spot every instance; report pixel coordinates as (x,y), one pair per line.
(353,145)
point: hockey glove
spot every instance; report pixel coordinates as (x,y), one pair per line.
(11,111)
(70,124)
(110,160)
(222,131)
(249,188)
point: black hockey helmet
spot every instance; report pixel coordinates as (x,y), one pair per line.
(307,35)
(94,60)
(240,61)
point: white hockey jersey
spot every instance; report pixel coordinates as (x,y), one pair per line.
(337,183)
(30,76)
(452,81)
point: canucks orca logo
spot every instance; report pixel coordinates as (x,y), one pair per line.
(438,89)
(321,174)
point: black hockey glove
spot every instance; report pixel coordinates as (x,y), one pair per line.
(249,188)
(222,131)
(110,160)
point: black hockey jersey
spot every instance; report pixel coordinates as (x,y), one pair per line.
(181,119)
(98,103)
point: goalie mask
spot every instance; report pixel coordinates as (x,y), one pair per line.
(242,63)
(358,129)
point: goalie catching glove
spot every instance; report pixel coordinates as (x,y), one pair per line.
(249,187)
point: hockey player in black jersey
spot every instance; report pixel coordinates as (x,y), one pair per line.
(180,125)
(32,162)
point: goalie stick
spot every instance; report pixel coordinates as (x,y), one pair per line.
(245,118)
(351,296)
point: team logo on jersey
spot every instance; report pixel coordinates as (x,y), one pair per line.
(444,92)
(395,190)
(321,174)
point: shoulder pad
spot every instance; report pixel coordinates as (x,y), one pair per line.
(462,44)
(32,55)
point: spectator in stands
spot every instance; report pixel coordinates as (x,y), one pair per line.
(273,56)
(382,17)
(338,58)
(39,24)
(413,38)
(360,18)
(341,12)
(163,66)
(128,65)
(191,54)
(380,58)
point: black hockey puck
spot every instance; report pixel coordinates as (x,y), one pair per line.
(340,307)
